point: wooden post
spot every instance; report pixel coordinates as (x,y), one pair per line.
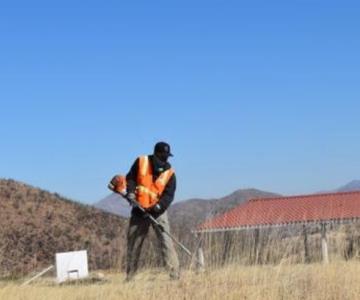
(349,243)
(256,249)
(324,245)
(200,260)
(227,247)
(306,245)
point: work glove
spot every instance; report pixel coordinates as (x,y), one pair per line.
(156,210)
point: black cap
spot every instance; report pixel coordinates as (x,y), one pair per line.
(163,147)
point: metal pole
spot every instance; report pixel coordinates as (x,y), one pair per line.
(38,275)
(146,214)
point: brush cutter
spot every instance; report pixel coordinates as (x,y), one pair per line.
(119,189)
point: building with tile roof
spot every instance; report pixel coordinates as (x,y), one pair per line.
(322,209)
(283,211)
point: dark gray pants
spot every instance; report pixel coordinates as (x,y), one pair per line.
(138,229)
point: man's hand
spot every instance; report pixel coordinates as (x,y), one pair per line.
(157,208)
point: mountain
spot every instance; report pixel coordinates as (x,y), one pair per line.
(192,212)
(351,186)
(186,215)
(189,213)
(114,204)
(36,224)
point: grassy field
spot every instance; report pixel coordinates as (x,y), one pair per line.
(338,280)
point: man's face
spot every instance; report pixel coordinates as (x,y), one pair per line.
(163,156)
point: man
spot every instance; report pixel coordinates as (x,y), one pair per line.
(151,181)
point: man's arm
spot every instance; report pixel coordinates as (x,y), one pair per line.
(168,194)
(131,177)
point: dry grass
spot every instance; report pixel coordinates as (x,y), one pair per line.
(338,280)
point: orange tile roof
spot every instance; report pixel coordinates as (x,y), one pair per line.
(287,210)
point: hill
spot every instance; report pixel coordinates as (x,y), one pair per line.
(351,186)
(36,224)
(114,204)
(190,213)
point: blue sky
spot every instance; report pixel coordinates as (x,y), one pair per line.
(260,94)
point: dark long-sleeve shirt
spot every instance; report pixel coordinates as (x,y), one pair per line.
(169,192)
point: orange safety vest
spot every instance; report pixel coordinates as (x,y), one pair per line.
(148,191)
